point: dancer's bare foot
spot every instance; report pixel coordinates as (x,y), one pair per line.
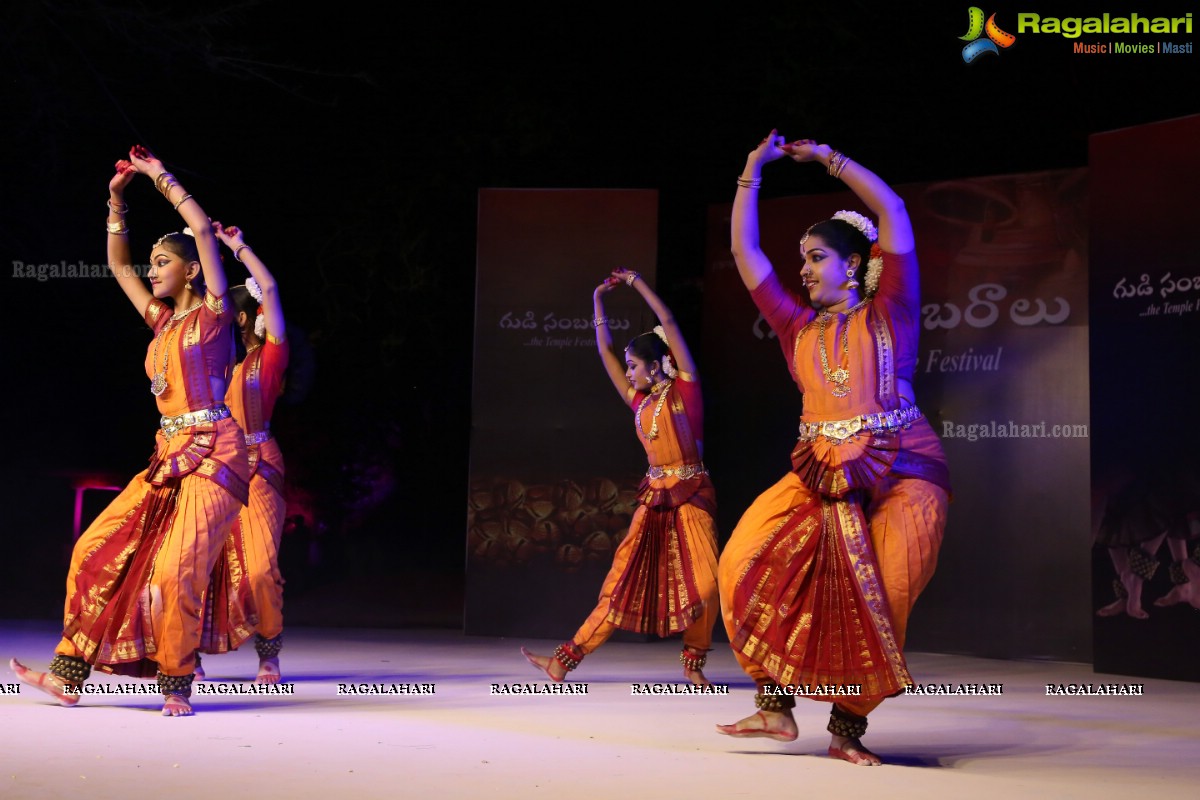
(696,677)
(51,684)
(554,670)
(268,671)
(777,725)
(1131,604)
(1186,592)
(852,750)
(1112,609)
(176,705)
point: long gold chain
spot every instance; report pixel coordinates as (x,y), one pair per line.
(662,399)
(840,378)
(158,384)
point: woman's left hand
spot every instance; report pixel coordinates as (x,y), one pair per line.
(626,276)
(145,161)
(232,235)
(807,150)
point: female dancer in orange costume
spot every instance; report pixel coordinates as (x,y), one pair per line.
(821,573)
(252,552)
(663,577)
(139,573)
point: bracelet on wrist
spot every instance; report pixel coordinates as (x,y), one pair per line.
(119,227)
(837,163)
(598,321)
(239,249)
(631,277)
(113,207)
(165,182)
(749,183)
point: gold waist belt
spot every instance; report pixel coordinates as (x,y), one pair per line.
(684,471)
(840,430)
(257,438)
(173,425)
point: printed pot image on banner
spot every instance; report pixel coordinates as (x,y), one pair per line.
(560,526)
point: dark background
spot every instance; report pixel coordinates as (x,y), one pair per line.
(350,145)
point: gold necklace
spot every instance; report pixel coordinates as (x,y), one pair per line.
(840,377)
(186,311)
(158,384)
(665,387)
(238,366)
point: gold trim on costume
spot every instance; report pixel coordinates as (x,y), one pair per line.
(215,304)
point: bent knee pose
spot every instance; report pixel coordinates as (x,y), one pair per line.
(821,572)
(139,573)
(663,577)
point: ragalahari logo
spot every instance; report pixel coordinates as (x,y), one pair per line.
(976,27)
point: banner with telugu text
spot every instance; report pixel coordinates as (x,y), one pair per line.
(1146,326)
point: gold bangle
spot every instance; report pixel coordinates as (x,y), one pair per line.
(749,183)
(598,321)
(118,227)
(160,177)
(183,200)
(239,249)
(116,210)
(631,277)
(837,163)
(167,184)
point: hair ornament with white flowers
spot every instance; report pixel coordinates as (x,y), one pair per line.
(668,365)
(260,321)
(864,225)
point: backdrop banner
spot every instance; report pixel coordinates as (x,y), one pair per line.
(1002,376)
(555,462)
(1145,297)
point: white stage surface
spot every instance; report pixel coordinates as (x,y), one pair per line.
(464,741)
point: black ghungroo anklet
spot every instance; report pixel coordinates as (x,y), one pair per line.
(692,662)
(1142,563)
(71,669)
(267,648)
(770,698)
(568,655)
(843,723)
(1119,590)
(1178,575)
(175,684)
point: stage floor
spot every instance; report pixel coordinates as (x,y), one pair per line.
(463,741)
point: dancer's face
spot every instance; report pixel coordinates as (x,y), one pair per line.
(824,272)
(169,273)
(639,373)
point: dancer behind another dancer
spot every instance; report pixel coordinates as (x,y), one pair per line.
(663,577)
(252,552)
(821,572)
(138,574)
